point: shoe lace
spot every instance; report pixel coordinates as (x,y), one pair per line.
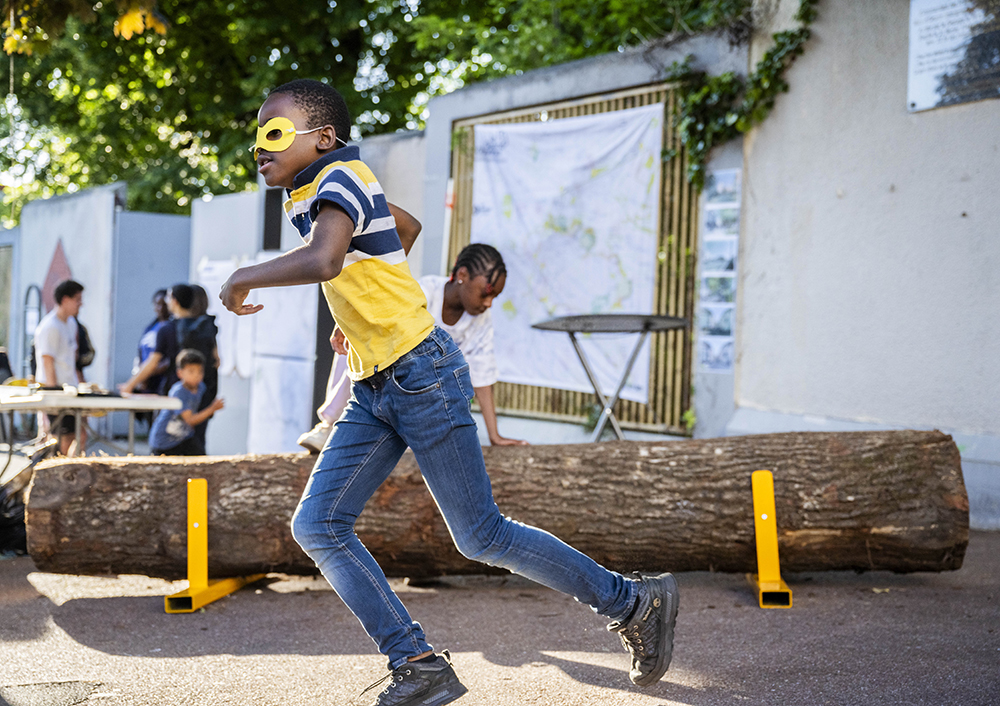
(378,683)
(392,675)
(632,641)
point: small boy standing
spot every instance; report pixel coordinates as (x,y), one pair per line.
(411,387)
(173,430)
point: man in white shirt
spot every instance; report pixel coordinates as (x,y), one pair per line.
(55,350)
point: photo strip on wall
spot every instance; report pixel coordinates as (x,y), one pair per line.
(718,261)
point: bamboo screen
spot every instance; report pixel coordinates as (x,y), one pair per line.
(670,366)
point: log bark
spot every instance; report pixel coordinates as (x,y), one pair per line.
(861,500)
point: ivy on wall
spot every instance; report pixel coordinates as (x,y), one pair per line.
(711,110)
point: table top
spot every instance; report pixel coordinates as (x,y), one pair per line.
(57,400)
(612,323)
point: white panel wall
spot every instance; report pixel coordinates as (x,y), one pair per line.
(85,222)
(870,277)
(870,263)
(398,163)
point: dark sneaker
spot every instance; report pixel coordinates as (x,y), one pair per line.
(649,634)
(420,684)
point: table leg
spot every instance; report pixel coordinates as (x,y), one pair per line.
(597,391)
(608,413)
(131,432)
(78,418)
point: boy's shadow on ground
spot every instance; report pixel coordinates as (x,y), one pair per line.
(513,626)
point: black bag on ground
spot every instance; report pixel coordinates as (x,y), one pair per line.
(13,538)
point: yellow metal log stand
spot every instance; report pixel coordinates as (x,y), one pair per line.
(772,592)
(200,590)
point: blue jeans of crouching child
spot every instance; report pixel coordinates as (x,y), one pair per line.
(422,401)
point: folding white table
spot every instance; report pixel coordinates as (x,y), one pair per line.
(60,402)
(642,324)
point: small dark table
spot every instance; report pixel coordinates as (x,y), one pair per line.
(610,323)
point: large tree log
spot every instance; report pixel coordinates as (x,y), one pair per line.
(866,500)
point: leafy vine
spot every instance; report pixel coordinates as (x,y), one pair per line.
(711,110)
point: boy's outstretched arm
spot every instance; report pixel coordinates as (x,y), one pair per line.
(318,260)
(407,226)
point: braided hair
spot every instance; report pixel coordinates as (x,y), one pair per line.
(480,259)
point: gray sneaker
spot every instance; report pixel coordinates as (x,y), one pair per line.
(420,684)
(649,634)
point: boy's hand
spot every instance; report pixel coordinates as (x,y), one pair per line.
(217,404)
(233,295)
(339,341)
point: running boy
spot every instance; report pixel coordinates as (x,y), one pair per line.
(411,387)
(172,433)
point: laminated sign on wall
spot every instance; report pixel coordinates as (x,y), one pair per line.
(572,205)
(954,50)
(717,292)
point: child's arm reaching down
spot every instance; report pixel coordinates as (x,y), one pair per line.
(193,419)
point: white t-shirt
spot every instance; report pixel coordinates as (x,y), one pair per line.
(57,338)
(472,334)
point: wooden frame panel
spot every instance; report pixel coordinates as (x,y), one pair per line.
(671,354)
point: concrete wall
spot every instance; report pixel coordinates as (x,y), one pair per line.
(870,270)
(85,224)
(119,257)
(223,228)
(14,332)
(151,252)
(398,163)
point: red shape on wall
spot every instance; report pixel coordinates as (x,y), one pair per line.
(58,272)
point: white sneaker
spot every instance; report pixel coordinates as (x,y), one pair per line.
(315,438)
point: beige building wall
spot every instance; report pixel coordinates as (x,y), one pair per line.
(871,262)
(870,258)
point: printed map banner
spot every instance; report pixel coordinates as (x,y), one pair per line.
(572,205)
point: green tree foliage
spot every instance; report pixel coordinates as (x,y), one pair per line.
(489,38)
(173,114)
(712,110)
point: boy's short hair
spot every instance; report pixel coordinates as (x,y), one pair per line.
(322,104)
(183,295)
(189,356)
(67,288)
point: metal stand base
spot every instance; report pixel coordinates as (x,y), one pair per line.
(201,591)
(772,592)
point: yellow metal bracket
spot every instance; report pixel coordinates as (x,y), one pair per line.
(200,590)
(772,592)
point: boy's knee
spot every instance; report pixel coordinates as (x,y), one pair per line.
(311,532)
(485,544)
(302,530)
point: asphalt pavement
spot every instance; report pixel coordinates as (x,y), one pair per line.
(872,638)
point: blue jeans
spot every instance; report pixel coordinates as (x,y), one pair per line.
(422,401)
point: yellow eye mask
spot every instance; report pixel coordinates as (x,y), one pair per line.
(278,134)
